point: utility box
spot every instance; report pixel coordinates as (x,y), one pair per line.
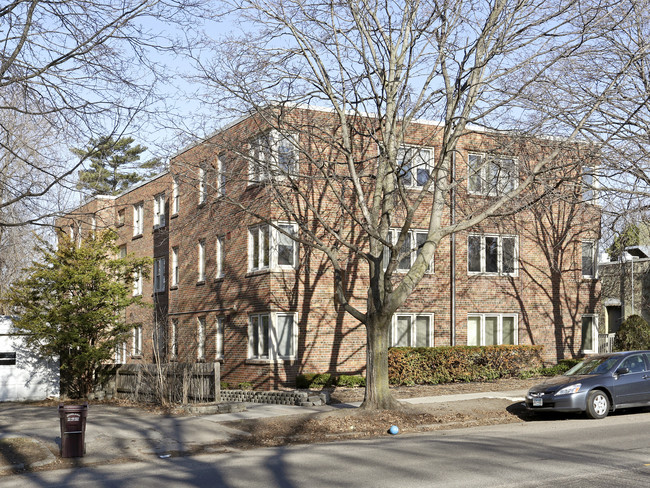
(73,430)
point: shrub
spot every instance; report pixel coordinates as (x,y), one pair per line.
(433,365)
(561,367)
(315,380)
(225,385)
(633,334)
(303,381)
(245,385)
(351,381)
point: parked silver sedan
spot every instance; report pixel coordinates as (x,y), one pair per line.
(596,386)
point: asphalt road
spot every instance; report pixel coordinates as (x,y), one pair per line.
(574,452)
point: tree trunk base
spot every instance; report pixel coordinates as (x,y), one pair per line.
(387,403)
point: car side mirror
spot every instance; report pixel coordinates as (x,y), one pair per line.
(622,370)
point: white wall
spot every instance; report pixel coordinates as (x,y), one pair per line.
(31,378)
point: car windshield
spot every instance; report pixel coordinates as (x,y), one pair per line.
(593,366)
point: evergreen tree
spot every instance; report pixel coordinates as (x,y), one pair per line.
(631,236)
(114,165)
(71,305)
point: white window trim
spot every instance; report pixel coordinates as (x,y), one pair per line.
(200,338)
(121,353)
(137,341)
(594,258)
(429,165)
(159,269)
(260,170)
(138,218)
(137,283)
(413,338)
(174,268)
(274,356)
(590,189)
(274,234)
(413,233)
(220,252)
(594,333)
(201,261)
(221,178)
(175,197)
(173,340)
(500,316)
(218,337)
(202,186)
(500,272)
(484,166)
(159,219)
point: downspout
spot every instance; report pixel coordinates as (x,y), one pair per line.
(452,275)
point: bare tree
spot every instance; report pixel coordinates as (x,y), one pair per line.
(471,67)
(70,71)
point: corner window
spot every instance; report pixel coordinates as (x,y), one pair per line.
(412,330)
(272,247)
(159,268)
(589,259)
(414,166)
(491,329)
(159,211)
(272,336)
(272,155)
(492,254)
(175,197)
(589,185)
(137,341)
(138,219)
(491,175)
(218,338)
(221,177)
(174,270)
(413,242)
(589,334)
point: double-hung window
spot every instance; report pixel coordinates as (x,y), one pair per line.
(272,336)
(137,341)
(221,177)
(413,242)
(589,185)
(175,270)
(491,175)
(175,197)
(272,247)
(201,261)
(138,219)
(137,283)
(414,166)
(273,155)
(173,339)
(412,330)
(121,217)
(121,353)
(220,256)
(589,249)
(492,254)
(218,337)
(491,329)
(203,192)
(159,268)
(159,211)
(200,338)
(589,333)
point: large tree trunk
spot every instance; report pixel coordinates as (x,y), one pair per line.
(378,395)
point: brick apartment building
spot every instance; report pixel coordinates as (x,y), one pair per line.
(226,286)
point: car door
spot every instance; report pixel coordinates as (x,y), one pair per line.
(633,386)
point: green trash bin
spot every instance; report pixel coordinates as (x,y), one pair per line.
(73,429)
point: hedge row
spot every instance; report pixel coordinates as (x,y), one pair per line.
(319,380)
(433,365)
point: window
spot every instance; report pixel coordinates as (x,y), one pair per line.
(137,341)
(492,254)
(220,256)
(120,217)
(137,283)
(159,266)
(175,197)
(202,186)
(159,211)
(412,330)
(122,251)
(120,353)
(272,336)
(588,259)
(175,274)
(200,338)
(201,260)
(490,175)
(272,155)
(138,218)
(491,329)
(413,242)
(589,334)
(173,339)
(589,185)
(271,248)
(415,165)
(218,338)
(7,358)
(221,177)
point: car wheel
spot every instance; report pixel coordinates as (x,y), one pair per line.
(597,404)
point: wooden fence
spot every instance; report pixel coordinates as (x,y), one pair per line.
(171,382)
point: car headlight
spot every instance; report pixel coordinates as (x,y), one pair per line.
(568,390)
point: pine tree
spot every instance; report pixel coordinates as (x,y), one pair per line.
(114,165)
(71,305)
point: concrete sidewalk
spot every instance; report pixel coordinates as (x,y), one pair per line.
(114,433)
